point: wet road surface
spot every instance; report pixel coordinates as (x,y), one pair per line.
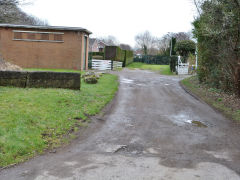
(153,130)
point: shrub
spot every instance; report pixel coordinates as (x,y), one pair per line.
(173,63)
(185,47)
(98,57)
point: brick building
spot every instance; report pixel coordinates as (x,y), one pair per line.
(45,46)
(96,45)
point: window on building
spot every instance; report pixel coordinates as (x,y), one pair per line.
(37,36)
(18,35)
(44,36)
(31,36)
(58,37)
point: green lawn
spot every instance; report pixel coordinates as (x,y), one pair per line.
(162,69)
(33,120)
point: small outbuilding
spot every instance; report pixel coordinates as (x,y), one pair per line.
(45,46)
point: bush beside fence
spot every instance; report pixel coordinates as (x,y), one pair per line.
(115,53)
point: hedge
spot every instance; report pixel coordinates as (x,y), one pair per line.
(114,53)
(153,59)
(128,57)
(96,53)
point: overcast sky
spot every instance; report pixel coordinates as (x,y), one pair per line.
(122,19)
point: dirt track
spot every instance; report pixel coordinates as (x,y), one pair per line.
(154,130)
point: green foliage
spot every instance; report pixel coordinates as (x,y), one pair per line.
(32,120)
(128,59)
(217,31)
(173,43)
(185,47)
(115,53)
(96,55)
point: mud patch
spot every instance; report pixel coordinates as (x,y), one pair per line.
(199,124)
(134,149)
(111,148)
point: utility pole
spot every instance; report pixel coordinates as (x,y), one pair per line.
(171,48)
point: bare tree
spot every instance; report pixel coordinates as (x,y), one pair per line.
(182,36)
(125,47)
(11,13)
(146,42)
(110,40)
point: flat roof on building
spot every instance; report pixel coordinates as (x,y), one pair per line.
(61,28)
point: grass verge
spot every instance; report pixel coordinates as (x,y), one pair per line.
(33,120)
(162,69)
(228,104)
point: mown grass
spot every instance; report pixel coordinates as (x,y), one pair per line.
(162,69)
(192,85)
(33,120)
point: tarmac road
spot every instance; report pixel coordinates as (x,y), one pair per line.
(153,130)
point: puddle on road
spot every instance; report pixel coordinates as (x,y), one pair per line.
(127,81)
(220,155)
(183,119)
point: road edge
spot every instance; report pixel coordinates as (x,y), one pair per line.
(201,99)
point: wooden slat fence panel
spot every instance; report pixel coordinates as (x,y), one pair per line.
(101,64)
(106,64)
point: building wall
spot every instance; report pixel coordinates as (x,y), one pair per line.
(27,54)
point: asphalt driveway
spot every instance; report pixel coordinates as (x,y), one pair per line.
(152,130)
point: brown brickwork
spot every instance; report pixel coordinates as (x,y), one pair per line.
(64,50)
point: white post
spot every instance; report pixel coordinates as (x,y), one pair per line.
(179,59)
(196,53)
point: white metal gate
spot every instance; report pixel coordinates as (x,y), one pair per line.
(182,68)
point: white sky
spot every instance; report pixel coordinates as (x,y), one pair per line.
(123,19)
